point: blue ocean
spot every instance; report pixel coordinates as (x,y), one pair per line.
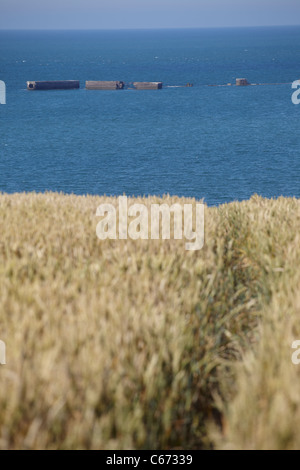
(220,143)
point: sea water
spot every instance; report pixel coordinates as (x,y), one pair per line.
(217,143)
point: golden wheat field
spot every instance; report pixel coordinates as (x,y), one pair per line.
(141,344)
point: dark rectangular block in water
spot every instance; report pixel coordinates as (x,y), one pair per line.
(53,85)
(147,85)
(104,85)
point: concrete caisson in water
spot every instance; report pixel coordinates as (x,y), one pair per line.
(104,85)
(53,85)
(147,85)
(242,82)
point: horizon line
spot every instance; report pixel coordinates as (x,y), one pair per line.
(154,28)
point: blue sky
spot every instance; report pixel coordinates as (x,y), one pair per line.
(116,14)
